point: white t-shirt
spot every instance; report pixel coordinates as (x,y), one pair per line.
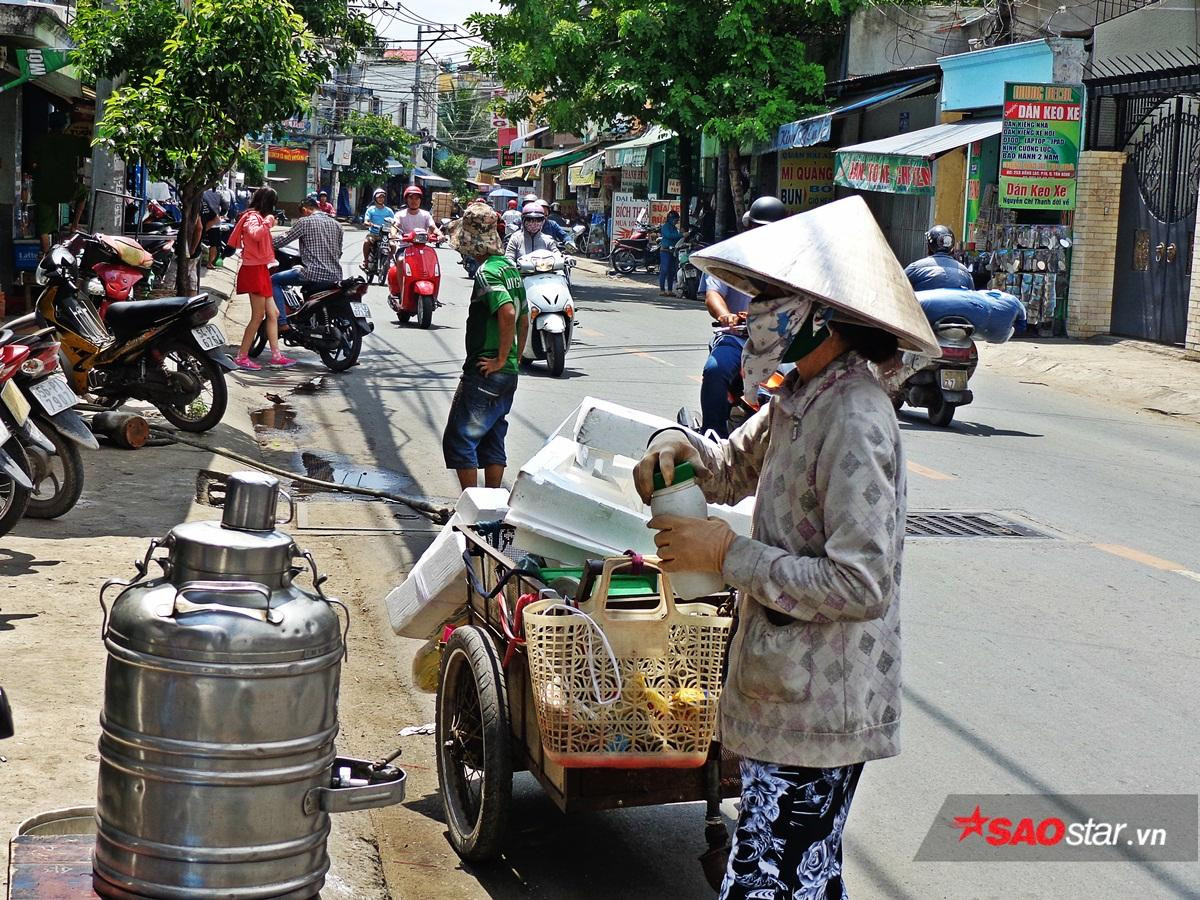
(408,221)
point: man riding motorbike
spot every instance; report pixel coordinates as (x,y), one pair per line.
(531,236)
(728,306)
(320,238)
(511,218)
(939,269)
(374,218)
(413,217)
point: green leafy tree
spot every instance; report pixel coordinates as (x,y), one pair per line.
(464,120)
(250,164)
(226,68)
(453,167)
(737,68)
(376,140)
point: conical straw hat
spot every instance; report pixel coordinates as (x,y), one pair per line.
(835,254)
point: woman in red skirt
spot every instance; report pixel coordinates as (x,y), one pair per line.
(253,234)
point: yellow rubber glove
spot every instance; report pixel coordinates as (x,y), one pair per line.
(667,450)
(691,545)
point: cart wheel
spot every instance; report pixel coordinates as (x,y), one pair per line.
(474,753)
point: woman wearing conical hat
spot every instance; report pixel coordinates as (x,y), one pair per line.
(813,690)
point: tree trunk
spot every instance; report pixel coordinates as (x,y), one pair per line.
(737,187)
(721,201)
(687,186)
(187,281)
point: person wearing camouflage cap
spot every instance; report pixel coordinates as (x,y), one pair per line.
(497,327)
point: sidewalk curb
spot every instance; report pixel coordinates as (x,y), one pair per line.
(1155,378)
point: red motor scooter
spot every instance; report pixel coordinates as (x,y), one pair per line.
(414,278)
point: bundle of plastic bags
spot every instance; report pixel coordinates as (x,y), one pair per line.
(995,314)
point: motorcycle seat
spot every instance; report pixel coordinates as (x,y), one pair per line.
(132,315)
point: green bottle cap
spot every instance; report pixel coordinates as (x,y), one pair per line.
(683,472)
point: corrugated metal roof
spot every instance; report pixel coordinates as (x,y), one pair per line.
(930,142)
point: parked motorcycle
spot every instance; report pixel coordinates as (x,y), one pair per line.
(57,474)
(688,275)
(330,320)
(165,351)
(551,308)
(638,250)
(16,483)
(414,278)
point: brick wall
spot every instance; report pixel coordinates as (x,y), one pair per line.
(1097,205)
(1192,335)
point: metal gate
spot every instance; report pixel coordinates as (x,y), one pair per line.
(1157,224)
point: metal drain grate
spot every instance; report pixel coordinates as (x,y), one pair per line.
(967,524)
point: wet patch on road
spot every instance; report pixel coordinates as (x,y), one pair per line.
(341,470)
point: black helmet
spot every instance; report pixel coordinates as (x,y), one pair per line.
(939,239)
(765,210)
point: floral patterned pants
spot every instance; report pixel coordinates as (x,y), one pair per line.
(788,842)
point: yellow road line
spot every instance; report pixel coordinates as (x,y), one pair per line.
(926,472)
(590,332)
(655,358)
(1154,562)
(697,379)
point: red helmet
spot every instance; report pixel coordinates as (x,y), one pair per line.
(512,204)
(413,189)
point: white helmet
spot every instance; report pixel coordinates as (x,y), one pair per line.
(378,192)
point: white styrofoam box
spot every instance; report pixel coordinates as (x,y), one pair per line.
(615,429)
(481,505)
(434,591)
(571,504)
(578,512)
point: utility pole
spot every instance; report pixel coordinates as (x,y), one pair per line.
(440,31)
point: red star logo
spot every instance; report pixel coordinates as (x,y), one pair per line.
(972,824)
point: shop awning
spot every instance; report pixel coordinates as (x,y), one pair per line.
(903,163)
(817,129)
(566,157)
(395,167)
(515,173)
(633,152)
(430,178)
(518,144)
(585,172)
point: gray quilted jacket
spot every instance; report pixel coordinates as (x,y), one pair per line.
(814,670)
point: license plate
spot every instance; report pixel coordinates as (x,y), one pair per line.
(954,380)
(54,393)
(208,337)
(15,401)
(360,310)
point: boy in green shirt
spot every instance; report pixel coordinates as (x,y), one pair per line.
(497,326)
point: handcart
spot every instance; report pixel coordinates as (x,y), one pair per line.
(487,723)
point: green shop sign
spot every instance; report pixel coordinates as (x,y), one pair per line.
(886,172)
(37,62)
(1039,146)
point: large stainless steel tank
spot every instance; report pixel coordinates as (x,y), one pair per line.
(217,760)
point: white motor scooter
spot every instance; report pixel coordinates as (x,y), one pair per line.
(551,307)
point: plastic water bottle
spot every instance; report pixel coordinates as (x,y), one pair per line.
(684,498)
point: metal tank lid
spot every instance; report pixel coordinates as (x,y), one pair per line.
(243,545)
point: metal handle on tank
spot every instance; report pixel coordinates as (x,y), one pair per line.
(142,568)
(181,606)
(291,508)
(358,784)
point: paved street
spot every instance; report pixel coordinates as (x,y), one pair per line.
(1061,664)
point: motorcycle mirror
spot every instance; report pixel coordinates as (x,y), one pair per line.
(6,719)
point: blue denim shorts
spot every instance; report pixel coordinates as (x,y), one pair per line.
(475,430)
